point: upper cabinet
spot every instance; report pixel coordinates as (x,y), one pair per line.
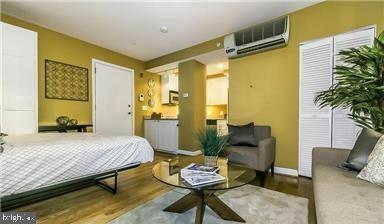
(18,80)
(217,91)
(169,82)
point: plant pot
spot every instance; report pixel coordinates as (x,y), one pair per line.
(210,161)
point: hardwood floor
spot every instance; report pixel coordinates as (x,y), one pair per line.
(137,186)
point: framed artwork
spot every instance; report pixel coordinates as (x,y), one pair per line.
(65,82)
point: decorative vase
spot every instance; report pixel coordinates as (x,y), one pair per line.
(210,161)
(73,122)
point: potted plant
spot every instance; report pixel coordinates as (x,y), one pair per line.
(359,85)
(211,145)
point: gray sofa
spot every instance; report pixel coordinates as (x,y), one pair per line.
(340,197)
(260,158)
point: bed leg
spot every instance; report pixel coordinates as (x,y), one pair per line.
(115,188)
(105,186)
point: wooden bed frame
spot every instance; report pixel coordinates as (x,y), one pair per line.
(17,200)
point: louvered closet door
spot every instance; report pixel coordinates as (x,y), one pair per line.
(345,131)
(315,123)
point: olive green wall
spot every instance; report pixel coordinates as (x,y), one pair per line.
(192,110)
(59,47)
(274,75)
(264,87)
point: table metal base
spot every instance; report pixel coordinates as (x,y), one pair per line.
(200,199)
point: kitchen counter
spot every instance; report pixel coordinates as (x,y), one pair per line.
(163,118)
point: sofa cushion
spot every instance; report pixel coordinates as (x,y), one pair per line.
(242,135)
(363,147)
(340,197)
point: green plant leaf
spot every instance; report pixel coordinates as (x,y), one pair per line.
(359,85)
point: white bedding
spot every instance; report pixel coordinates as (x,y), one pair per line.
(33,161)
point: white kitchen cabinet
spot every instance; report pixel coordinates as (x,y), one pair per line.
(162,134)
(18,77)
(169,82)
(151,132)
(217,91)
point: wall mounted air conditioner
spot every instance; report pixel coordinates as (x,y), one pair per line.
(265,36)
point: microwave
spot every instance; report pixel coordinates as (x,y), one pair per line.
(173,97)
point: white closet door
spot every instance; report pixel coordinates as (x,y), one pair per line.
(345,131)
(19,91)
(18,80)
(315,123)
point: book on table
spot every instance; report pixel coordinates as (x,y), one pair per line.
(194,167)
(199,175)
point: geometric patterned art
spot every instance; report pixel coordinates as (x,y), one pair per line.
(66,82)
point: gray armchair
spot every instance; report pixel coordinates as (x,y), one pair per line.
(260,158)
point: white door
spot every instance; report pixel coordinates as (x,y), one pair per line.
(151,132)
(345,131)
(314,123)
(18,80)
(113,99)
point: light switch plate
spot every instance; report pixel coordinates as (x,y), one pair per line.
(185,95)
(141,97)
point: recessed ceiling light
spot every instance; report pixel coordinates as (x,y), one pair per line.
(164,29)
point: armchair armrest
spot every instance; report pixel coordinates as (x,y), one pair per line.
(267,148)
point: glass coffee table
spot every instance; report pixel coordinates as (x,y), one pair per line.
(236,176)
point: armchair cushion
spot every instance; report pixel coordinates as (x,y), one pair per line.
(242,135)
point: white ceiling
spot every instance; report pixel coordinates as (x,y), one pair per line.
(133,28)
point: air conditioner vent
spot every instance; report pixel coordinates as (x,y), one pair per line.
(261,46)
(275,32)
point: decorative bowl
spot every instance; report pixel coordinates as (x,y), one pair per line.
(62,120)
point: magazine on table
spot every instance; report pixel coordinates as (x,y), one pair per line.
(204,179)
(199,175)
(194,167)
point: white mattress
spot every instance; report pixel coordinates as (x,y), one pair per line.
(33,161)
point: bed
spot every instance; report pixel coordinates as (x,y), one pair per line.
(37,163)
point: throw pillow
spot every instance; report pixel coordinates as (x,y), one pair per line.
(374,170)
(2,142)
(242,135)
(363,147)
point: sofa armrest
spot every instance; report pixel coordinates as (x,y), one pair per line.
(267,148)
(329,156)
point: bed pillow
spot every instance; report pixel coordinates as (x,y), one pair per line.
(242,135)
(363,147)
(374,170)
